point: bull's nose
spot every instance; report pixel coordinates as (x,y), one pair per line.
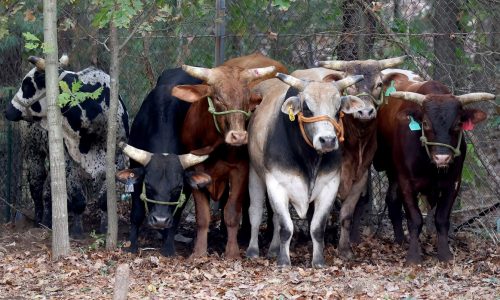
(237,138)
(368,113)
(159,222)
(327,142)
(441,159)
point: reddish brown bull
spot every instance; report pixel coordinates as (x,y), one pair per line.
(422,149)
(216,124)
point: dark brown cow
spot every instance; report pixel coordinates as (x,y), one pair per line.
(360,142)
(422,149)
(226,90)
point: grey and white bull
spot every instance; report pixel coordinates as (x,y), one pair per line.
(296,162)
(84,125)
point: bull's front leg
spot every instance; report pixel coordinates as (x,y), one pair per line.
(278,196)
(238,183)
(415,223)
(256,189)
(346,215)
(442,221)
(137,215)
(202,209)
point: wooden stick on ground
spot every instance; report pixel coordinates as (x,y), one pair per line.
(121,282)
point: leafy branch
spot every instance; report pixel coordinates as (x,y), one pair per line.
(73,96)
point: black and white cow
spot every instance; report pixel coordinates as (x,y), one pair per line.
(296,161)
(84,125)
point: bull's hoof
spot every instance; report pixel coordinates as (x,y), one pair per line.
(413,259)
(355,238)
(284,261)
(318,263)
(445,256)
(346,253)
(252,253)
(168,251)
(131,249)
(232,255)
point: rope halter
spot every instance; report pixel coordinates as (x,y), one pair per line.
(179,203)
(339,126)
(426,144)
(211,109)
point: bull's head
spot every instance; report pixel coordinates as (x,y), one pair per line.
(29,103)
(442,118)
(228,89)
(316,99)
(163,176)
(370,88)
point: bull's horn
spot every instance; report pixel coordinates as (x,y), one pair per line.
(297,83)
(252,74)
(413,97)
(475,97)
(348,81)
(141,156)
(64,60)
(339,65)
(189,160)
(38,62)
(391,62)
(200,73)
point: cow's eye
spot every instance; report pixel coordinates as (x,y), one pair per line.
(305,109)
(426,125)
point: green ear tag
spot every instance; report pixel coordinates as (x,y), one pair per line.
(391,89)
(414,126)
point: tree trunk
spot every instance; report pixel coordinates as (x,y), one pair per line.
(112,235)
(348,47)
(446,42)
(60,235)
(368,39)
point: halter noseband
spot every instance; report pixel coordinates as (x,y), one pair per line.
(339,126)
(180,202)
(211,109)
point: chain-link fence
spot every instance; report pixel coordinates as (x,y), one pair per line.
(456,42)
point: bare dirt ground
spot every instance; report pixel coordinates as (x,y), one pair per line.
(378,272)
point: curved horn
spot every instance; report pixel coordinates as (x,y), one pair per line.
(391,62)
(292,81)
(409,96)
(200,73)
(256,73)
(339,65)
(141,156)
(38,62)
(189,160)
(64,60)
(348,81)
(475,97)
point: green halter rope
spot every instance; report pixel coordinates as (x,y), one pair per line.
(211,109)
(144,198)
(425,143)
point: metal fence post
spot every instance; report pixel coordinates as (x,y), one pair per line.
(220,30)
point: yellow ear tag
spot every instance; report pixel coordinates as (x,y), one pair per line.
(290,113)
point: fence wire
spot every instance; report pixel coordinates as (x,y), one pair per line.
(455,42)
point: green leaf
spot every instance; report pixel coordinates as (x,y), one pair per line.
(76,86)
(64,87)
(28,36)
(31,46)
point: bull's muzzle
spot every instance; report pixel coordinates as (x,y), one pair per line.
(237,138)
(159,221)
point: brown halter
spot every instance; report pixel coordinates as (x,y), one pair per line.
(339,126)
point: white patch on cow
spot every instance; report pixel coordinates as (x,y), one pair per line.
(410,74)
(456,185)
(291,186)
(92,76)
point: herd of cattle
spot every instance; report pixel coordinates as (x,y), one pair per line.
(247,131)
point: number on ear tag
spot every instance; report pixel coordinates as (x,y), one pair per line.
(391,89)
(414,126)
(291,116)
(468,125)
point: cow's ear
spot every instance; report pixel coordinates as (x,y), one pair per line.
(333,77)
(191,93)
(198,180)
(130,175)
(255,99)
(415,113)
(351,104)
(292,103)
(473,115)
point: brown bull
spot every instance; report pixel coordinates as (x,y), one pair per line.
(422,149)
(216,124)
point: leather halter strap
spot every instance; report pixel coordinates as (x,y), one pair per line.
(339,126)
